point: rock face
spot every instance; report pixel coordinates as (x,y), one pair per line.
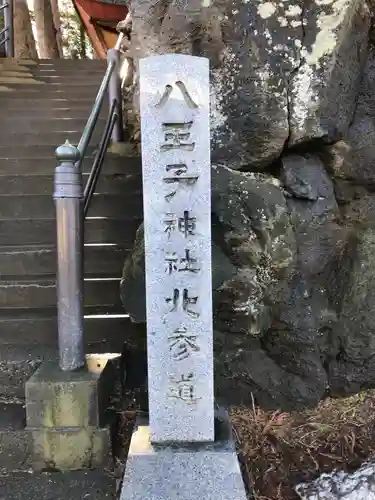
(277,68)
(293,209)
(341,486)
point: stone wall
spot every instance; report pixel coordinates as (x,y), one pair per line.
(293,190)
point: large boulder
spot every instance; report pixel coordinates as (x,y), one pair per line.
(353,368)
(277,68)
(323,89)
(353,157)
(293,215)
(272,313)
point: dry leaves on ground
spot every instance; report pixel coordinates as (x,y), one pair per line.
(278,450)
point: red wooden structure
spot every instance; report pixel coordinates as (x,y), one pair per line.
(100,20)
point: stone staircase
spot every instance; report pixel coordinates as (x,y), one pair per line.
(41,105)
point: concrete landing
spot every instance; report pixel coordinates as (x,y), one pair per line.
(90,485)
(15,442)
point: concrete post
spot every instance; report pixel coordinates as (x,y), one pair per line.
(8,22)
(68,196)
(114,93)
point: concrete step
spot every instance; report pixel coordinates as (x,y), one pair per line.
(19,360)
(118,183)
(40,294)
(24,79)
(31,105)
(15,442)
(75,79)
(105,330)
(29,79)
(17,364)
(35,138)
(34,92)
(7,65)
(114,184)
(15,72)
(123,152)
(23,152)
(13,62)
(68,70)
(79,485)
(119,230)
(42,206)
(21,124)
(78,112)
(113,166)
(19,262)
(75,63)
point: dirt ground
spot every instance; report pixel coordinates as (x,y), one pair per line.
(279,450)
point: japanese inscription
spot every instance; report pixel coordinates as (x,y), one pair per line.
(180,298)
(174,96)
(176,136)
(184,224)
(182,343)
(179,174)
(184,388)
(174,263)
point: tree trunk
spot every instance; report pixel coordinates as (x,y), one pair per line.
(82,42)
(45,30)
(24,43)
(57,23)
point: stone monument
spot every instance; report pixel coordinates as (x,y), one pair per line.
(185,446)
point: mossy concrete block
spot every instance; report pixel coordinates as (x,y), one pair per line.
(70,449)
(62,399)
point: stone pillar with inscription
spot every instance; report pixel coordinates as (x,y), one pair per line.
(174,93)
(174,102)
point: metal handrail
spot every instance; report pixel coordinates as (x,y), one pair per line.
(6,11)
(113,62)
(72,204)
(99,158)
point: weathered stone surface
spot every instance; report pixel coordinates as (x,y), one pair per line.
(277,68)
(62,399)
(70,449)
(354,366)
(67,399)
(340,485)
(278,302)
(323,89)
(353,158)
(311,189)
(65,414)
(292,95)
(252,217)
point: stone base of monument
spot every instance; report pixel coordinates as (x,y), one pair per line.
(65,415)
(207,471)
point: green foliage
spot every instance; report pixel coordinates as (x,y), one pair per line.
(76,44)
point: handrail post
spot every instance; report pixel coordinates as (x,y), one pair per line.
(68,196)
(114,93)
(8,22)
